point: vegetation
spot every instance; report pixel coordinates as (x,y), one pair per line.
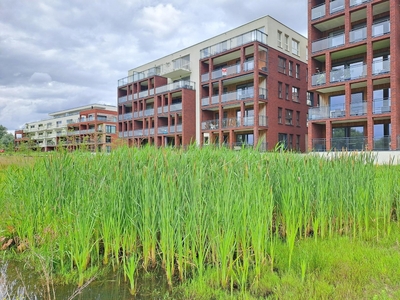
(219,223)
(6,139)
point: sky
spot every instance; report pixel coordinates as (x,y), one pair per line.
(60,54)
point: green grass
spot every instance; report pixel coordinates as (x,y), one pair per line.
(247,224)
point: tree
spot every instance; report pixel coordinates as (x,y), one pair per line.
(6,139)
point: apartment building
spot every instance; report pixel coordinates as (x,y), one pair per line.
(245,87)
(354,74)
(92,126)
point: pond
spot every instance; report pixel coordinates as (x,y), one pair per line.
(17,281)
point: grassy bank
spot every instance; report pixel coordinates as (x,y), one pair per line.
(244,223)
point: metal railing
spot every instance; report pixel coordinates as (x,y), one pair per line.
(336,6)
(328,43)
(358,2)
(380,66)
(380,28)
(349,73)
(358,108)
(381,106)
(318,12)
(251,36)
(349,143)
(318,79)
(382,143)
(358,34)
(182,84)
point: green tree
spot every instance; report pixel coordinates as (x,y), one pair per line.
(6,139)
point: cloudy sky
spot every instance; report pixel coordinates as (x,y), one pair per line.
(59,54)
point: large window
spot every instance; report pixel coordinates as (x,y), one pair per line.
(286,42)
(295,47)
(337,104)
(350,138)
(110,129)
(297,71)
(280,90)
(286,91)
(279,39)
(289,117)
(295,94)
(245,139)
(279,115)
(281,65)
(290,68)
(283,139)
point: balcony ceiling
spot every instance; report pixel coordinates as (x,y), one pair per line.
(349,52)
(381,81)
(359,15)
(330,24)
(238,79)
(381,44)
(177,73)
(381,8)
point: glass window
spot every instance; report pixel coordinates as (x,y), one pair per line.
(279,39)
(297,71)
(282,65)
(280,90)
(279,115)
(295,94)
(295,47)
(287,92)
(289,117)
(286,42)
(290,68)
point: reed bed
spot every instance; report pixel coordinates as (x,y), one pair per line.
(191,211)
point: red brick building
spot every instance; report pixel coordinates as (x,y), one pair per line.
(354,74)
(245,87)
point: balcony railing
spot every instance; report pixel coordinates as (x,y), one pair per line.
(237,41)
(381,106)
(318,12)
(122,99)
(357,35)
(139,76)
(182,84)
(382,143)
(380,28)
(328,43)
(358,2)
(149,112)
(162,130)
(128,116)
(143,93)
(318,113)
(318,79)
(336,6)
(381,66)
(358,108)
(175,107)
(349,73)
(349,143)
(234,123)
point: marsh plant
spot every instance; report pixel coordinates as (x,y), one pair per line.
(193,212)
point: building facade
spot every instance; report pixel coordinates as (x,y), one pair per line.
(91,126)
(245,87)
(354,70)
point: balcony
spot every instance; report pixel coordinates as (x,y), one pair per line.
(318,12)
(318,113)
(162,130)
(182,84)
(357,35)
(382,143)
(358,108)
(139,76)
(358,143)
(122,99)
(380,28)
(358,2)
(149,112)
(227,123)
(381,106)
(380,66)
(336,6)
(355,71)
(127,116)
(318,79)
(237,41)
(143,94)
(328,43)
(175,107)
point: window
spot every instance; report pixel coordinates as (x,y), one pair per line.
(282,65)
(108,139)
(298,118)
(244,139)
(289,117)
(310,99)
(295,47)
(283,139)
(298,142)
(295,94)
(69,121)
(286,42)
(32,126)
(290,68)
(287,92)
(279,39)
(297,71)
(290,144)
(280,90)
(110,129)
(279,115)
(58,123)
